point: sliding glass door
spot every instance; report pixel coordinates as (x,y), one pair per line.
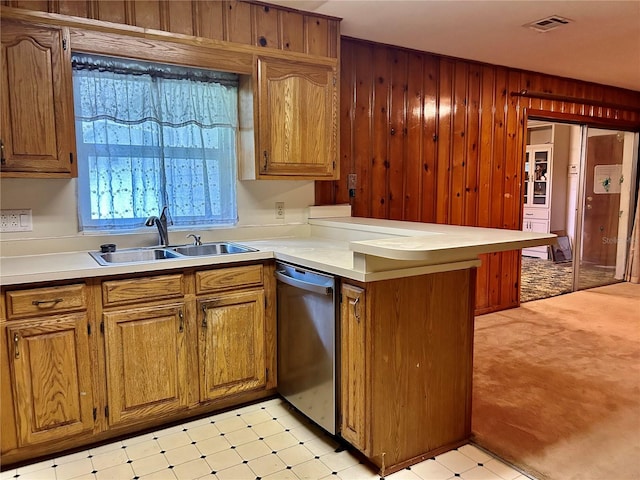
(605,201)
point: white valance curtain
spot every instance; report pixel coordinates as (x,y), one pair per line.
(152,135)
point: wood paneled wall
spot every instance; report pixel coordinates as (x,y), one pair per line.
(232,21)
(431,138)
(436,139)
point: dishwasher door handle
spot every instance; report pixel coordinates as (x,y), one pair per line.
(310,287)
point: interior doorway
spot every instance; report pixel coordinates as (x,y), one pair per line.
(579,183)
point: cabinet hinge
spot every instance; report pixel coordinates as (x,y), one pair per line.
(102,327)
(266,374)
(95,414)
(88,329)
(106,411)
(71,158)
(334,81)
(265,302)
(340,298)
(64,43)
(334,164)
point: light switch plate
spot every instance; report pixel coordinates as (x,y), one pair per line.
(16,221)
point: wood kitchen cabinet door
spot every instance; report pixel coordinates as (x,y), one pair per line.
(232,344)
(354,367)
(297,120)
(38,133)
(146,361)
(51,370)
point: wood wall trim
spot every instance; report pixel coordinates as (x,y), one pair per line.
(151,49)
(582,119)
(228,36)
(568,99)
(96,28)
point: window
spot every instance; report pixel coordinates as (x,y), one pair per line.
(150,135)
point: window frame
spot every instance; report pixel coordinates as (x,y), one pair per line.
(83,194)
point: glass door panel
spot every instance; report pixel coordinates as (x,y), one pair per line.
(527,173)
(540,172)
(604,216)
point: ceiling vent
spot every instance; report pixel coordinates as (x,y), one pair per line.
(548,23)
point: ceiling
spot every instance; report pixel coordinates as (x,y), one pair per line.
(600,44)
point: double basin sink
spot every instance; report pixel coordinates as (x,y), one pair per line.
(150,254)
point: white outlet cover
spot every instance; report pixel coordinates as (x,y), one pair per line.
(16,221)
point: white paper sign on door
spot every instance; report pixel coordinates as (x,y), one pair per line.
(607,178)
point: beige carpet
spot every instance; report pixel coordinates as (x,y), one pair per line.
(557,385)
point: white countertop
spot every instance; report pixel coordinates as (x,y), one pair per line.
(358,248)
(430,241)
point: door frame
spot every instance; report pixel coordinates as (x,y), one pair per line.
(584,122)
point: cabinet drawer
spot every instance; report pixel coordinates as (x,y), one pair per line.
(46,301)
(147,289)
(536,214)
(228,278)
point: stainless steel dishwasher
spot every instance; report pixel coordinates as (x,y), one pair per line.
(307,342)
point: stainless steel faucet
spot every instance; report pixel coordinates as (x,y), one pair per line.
(160,222)
(196,239)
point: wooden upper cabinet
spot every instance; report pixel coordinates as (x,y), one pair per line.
(296,120)
(38,134)
(51,372)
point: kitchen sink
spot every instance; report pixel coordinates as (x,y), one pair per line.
(151,254)
(133,255)
(217,248)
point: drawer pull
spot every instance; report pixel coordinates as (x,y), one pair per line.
(356,310)
(16,339)
(181,317)
(37,303)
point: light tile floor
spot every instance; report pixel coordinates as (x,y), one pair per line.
(264,441)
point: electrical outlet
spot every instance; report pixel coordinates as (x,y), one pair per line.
(280,210)
(15,221)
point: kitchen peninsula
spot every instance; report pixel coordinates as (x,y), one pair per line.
(405,323)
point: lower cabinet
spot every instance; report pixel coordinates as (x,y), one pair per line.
(406,366)
(536,220)
(353,365)
(51,376)
(88,361)
(146,362)
(232,344)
